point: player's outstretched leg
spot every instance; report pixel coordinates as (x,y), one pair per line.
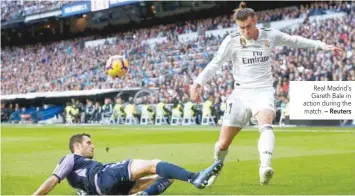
(167,172)
(221,148)
(265,145)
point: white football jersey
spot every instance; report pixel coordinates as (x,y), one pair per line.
(252,59)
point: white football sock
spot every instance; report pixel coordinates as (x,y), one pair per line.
(219,155)
(266,144)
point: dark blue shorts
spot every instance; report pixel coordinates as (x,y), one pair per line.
(114,179)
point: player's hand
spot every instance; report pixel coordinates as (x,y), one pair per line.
(337,51)
(195,92)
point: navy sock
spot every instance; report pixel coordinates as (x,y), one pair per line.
(171,171)
(159,186)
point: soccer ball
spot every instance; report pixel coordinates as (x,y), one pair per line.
(117,66)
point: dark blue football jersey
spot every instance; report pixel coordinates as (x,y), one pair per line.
(79,171)
(89,177)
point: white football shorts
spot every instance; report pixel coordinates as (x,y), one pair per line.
(243,104)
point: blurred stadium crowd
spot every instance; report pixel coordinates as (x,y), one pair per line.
(11,10)
(172,66)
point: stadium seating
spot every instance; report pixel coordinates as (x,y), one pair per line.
(17,9)
(81,70)
(172,65)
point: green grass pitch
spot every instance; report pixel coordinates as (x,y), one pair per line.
(306,160)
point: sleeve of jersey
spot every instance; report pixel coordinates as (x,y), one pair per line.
(223,55)
(64,167)
(282,39)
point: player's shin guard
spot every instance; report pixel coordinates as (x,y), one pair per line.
(266,144)
(158,187)
(219,155)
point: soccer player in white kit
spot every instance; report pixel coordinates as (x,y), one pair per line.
(250,50)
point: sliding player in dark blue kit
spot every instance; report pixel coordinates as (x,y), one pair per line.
(133,176)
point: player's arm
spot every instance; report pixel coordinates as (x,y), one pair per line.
(223,55)
(64,167)
(47,186)
(295,41)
